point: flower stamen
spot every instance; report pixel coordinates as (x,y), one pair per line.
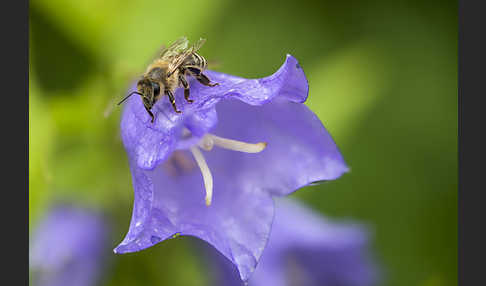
(207,143)
(210,140)
(206,173)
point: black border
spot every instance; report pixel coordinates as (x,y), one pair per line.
(14,116)
(470,142)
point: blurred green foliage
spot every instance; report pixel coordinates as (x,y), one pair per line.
(383,79)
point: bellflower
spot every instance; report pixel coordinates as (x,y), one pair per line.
(212,170)
(306,249)
(68,248)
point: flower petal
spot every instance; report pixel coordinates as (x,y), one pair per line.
(299,150)
(68,247)
(147,145)
(289,82)
(315,250)
(306,249)
(170,204)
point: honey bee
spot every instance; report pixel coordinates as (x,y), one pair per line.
(169,71)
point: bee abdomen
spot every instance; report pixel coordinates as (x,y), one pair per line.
(198,61)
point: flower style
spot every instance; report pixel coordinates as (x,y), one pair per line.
(211,171)
(306,249)
(68,248)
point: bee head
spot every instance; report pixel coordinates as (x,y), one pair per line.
(148,91)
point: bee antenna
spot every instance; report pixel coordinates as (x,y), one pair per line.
(136,92)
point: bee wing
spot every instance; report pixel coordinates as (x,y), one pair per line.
(198,45)
(179,59)
(163,50)
(174,49)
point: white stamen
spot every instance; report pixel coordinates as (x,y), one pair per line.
(206,143)
(206,173)
(209,140)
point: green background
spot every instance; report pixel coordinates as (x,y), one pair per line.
(383,80)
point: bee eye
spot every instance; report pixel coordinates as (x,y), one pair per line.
(156,88)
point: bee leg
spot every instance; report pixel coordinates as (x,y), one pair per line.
(202,78)
(151,114)
(172,100)
(182,79)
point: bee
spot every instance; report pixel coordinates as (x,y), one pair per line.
(169,71)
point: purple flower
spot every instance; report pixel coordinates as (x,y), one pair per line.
(306,249)
(211,171)
(68,248)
